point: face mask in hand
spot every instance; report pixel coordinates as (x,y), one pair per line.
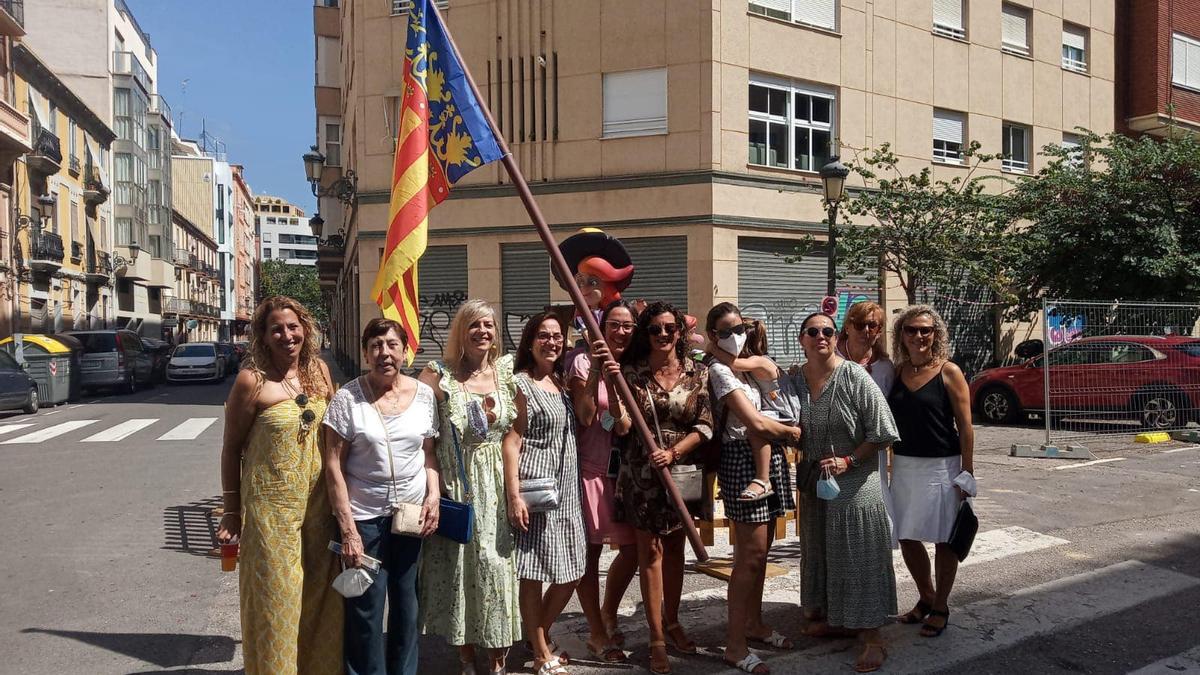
(733,344)
(352,582)
(827,487)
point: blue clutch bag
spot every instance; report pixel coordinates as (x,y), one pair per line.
(456,520)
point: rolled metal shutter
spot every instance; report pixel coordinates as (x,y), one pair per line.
(525,287)
(971,321)
(660,270)
(781,294)
(442,278)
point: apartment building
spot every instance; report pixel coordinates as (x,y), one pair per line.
(14,142)
(1158,67)
(62,273)
(693,130)
(203,194)
(111,64)
(246,255)
(193,313)
(284,231)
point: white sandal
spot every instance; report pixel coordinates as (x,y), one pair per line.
(748,664)
(773,640)
(748,496)
(552,667)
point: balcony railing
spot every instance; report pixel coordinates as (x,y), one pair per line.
(45,251)
(15,9)
(47,154)
(159,105)
(181,257)
(94,189)
(98,266)
(125,63)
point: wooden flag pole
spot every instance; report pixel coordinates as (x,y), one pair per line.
(564,273)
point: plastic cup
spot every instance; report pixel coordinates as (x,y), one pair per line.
(229,557)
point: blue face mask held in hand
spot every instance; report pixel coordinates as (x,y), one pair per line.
(827,487)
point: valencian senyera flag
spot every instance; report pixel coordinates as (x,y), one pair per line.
(442,135)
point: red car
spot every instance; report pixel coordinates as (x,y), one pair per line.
(1153,379)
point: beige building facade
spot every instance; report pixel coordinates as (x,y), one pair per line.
(692,130)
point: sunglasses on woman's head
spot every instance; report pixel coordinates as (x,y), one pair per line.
(657,329)
(923,331)
(813,331)
(725,333)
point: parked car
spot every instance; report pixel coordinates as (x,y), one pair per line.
(17,388)
(196,361)
(160,353)
(1154,379)
(233,360)
(114,358)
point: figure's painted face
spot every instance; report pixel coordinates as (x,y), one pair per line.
(593,289)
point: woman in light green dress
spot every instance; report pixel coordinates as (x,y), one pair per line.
(847,583)
(468,592)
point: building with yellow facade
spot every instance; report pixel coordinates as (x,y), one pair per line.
(14,142)
(62,266)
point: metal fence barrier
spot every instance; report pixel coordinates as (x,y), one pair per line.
(1114,368)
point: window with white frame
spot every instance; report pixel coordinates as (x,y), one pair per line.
(333,144)
(819,13)
(948,18)
(1074,47)
(949,132)
(791,124)
(1014,29)
(405,6)
(1015,148)
(1185,61)
(635,103)
(1073,144)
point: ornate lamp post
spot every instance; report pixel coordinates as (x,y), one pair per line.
(833,180)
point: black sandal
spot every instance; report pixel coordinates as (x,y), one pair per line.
(923,608)
(931,631)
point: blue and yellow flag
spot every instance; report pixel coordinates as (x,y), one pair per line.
(443,134)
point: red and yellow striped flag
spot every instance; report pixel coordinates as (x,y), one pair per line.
(442,135)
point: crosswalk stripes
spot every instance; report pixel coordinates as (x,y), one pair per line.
(992,545)
(121,431)
(9,428)
(188,430)
(50,432)
(1187,663)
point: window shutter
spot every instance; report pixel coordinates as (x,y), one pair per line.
(816,12)
(442,272)
(635,102)
(1014,27)
(660,270)
(948,126)
(948,13)
(1071,141)
(784,6)
(525,287)
(1074,36)
(1178,60)
(1193,64)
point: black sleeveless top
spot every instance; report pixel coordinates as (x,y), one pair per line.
(925,419)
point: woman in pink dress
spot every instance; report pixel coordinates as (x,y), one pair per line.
(601,419)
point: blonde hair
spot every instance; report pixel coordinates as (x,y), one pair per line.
(259,355)
(456,343)
(861,311)
(940,350)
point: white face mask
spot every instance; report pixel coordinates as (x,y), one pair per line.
(733,344)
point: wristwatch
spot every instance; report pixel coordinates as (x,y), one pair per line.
(854,461)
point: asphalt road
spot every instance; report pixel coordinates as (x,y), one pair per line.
(1079,567)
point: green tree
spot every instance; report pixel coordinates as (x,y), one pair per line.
(295,281)
(1115,218)
(926,232)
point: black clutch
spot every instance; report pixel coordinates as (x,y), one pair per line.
(962,535)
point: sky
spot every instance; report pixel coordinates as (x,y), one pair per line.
(243,69)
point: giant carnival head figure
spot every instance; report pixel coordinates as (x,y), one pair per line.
(601,266)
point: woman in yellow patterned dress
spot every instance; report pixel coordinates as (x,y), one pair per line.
(275,500)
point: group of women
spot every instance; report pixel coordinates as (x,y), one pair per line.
(542,448)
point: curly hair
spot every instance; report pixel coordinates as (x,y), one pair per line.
(639,346)
(940,349)
(456,343)
(259,354)
(524,361)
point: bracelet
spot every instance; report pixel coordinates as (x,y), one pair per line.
(231,492)
(231,513)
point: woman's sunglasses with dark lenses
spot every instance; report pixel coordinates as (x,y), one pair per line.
(813,331)
(307,417)
(866,325)
(667,329)
(740,329)
(923,331)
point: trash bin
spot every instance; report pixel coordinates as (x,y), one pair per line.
(48,362)
(76,346)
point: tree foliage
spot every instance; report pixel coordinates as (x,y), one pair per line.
(1116,218)
(927,232)
(295,281)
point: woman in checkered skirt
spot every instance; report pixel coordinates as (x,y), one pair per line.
(551,545)
(739,402)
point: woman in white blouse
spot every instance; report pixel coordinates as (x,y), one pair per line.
(379,456)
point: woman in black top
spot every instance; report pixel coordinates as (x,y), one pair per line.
(933,463)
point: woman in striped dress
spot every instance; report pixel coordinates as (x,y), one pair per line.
(551,545)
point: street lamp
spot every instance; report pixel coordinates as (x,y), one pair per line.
(344,188)
(119,260)
(44,212)
(833,180)
(317,225)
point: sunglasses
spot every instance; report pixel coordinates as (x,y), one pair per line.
(625,326)
(307,417)
(923,331)
(740,329)
(813,331)
(481,414)
(866,325)
(549,337)
(667,329)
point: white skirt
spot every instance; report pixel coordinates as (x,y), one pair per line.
(924,500)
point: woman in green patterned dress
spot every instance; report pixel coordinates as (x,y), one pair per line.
(469,591)
(847,583)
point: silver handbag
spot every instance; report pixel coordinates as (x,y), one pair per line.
(539,494)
